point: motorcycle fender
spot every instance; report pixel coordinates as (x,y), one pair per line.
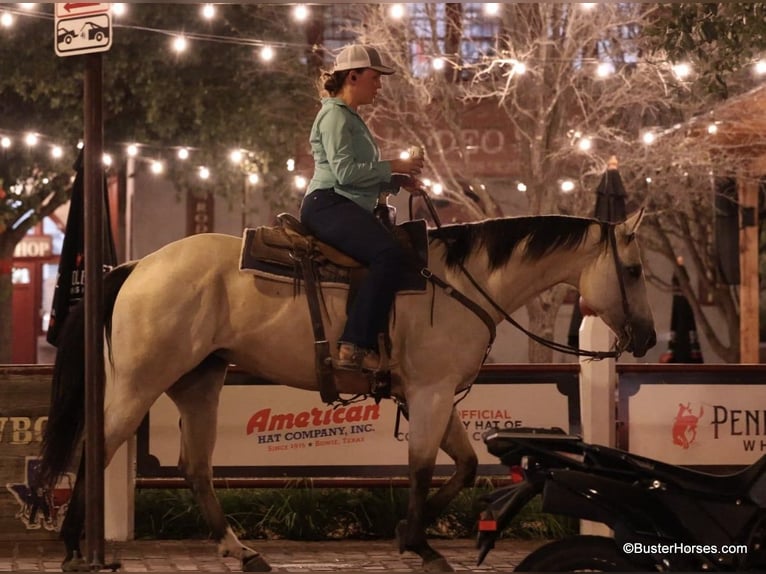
(600,499)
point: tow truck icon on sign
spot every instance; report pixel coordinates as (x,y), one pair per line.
(83,34)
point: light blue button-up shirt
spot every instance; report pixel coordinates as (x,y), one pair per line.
(346,157)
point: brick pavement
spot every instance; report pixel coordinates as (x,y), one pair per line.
(283,555)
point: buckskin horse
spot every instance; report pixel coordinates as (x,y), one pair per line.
(177,318)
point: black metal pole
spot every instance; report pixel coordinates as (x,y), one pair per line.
(94,311)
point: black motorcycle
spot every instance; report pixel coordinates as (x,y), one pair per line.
(665,518)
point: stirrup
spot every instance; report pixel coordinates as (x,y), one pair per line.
(360,359)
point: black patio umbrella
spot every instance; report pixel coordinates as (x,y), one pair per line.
(70,282)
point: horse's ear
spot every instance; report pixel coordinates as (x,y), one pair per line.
(632,223)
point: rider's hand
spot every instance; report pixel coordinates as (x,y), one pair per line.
(412,184)
(409,166)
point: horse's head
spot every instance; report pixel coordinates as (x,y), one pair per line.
(614,287)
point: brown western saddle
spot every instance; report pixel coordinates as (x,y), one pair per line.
(289,250)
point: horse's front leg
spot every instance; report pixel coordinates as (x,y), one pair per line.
(459,448)
(429,412)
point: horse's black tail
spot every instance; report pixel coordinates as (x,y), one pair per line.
(66,414)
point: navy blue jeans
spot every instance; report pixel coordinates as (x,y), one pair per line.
(343,224)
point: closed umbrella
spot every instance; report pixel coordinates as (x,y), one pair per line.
(610,207)
(610,195)
(70,282)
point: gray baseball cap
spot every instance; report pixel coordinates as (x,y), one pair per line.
(357,56)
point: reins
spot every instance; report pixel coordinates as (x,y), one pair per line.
(561,347)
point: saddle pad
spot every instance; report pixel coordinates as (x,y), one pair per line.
(266,257)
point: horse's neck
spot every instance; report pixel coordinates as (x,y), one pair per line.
(519,280)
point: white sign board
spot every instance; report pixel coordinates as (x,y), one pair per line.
(280,427)
(690,424)
(82,28)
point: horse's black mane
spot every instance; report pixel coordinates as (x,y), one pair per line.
(500,237)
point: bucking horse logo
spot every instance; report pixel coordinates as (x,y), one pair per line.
(41,507)
(685,425)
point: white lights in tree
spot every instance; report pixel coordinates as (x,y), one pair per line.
(31,139)
(180,44)
(183,153)
(208,11)
(300,12)
(204,173)
(267,53)
(397,11)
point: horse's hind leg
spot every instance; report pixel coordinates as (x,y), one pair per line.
(429,417)
(196,396)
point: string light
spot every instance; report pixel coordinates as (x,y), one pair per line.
(179,44)
(604,69)
(236,156)
(521,187)
(301,12)
(132,150)
(27,6)
(204,173)
(567,186)
(6,19)
(585,144)
(106,159)
(300,182)
(57,152)
(267,53)
(156,167)
(31,139)
(119,9)
(291,164)
(760,67)
(438,63)
(491,9)
(396,11)
(682,70)
(183,153)
(648,138)
(253,178)
(5,142)
(208,11)
(712,129)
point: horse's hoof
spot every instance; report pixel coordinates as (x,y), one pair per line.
(401,535)
(437,565)
(76,564)
(255,564)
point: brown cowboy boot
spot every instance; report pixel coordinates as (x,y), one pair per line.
(353,358)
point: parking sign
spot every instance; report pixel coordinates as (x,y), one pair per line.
(82,28)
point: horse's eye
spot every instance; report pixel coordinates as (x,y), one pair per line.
(633,271)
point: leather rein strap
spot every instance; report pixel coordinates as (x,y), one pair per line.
(482,313)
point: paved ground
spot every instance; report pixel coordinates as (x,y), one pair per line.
(283,555)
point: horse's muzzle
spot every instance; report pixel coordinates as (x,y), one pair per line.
(642,341)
